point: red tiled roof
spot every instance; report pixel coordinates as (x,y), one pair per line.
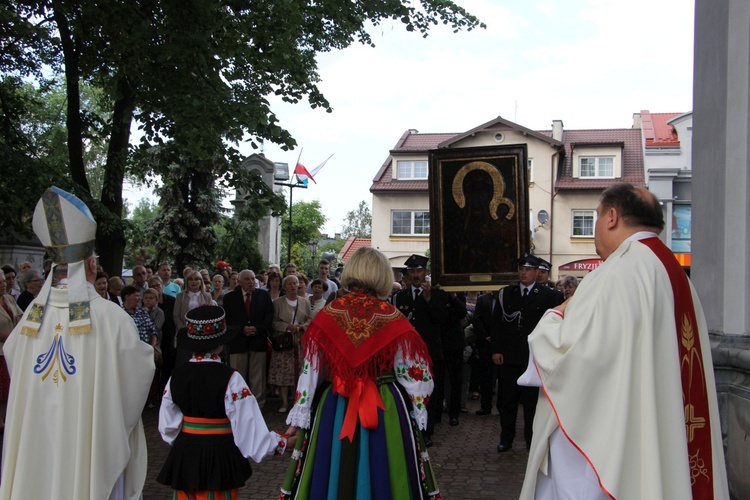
(632,157)
(384,181)
(629,139)
(501,123)
(421,142)
(657,131)
(352,245)
(410,142)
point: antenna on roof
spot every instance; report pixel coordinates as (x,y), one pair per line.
(515,112)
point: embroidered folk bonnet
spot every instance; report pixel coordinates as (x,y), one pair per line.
(206,328)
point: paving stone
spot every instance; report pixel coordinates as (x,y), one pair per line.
(465,459)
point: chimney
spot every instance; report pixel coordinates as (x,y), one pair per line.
(557,130)
(637,120)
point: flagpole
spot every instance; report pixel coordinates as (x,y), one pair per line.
(291,224)
(289,244)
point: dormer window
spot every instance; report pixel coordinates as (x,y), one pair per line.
(411,169)
(591,167)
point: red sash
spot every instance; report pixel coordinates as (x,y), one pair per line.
(694,393)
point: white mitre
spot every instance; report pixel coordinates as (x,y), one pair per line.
(66,228)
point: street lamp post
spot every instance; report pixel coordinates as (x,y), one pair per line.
(281,174)
(312,245)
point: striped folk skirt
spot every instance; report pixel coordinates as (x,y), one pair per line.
(390,461)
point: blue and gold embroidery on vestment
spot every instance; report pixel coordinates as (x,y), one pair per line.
(35,316)
(79,311)
(55,221)
(56,361)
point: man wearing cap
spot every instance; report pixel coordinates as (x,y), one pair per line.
(542,278)
(428,309)
(543,273)
(80,377)
(521,305)
(486,321)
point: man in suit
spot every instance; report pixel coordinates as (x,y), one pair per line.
(250,309)
(168,331)
(428,310)
(521,305)
(486,321)
(453,354)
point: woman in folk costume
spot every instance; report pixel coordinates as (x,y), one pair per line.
(210,418)
(359,431)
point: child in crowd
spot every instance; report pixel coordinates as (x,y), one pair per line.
(210,417)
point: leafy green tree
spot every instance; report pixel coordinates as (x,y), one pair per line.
(139,234)
(307,219)
(190,207)
(33,144)
(358,222)
(194,76)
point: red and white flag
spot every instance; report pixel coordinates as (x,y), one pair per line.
(302,173)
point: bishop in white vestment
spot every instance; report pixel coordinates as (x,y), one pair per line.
(79,378)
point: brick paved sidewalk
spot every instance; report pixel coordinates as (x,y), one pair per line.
(466,462)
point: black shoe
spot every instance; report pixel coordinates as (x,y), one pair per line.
(483,411)
(427,441)
(454,422)
(502,448)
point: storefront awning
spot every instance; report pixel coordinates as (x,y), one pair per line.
(589,265)
(683,259)
(581,265)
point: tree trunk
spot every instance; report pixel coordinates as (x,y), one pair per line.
(110,238)
(71,54)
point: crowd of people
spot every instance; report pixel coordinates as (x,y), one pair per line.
(159,302)
(365,368)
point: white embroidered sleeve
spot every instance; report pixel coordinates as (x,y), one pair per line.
(251,434)
(299,416)
(415,376)
(170,417)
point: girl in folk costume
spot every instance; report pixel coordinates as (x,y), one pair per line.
(210,417)
(358,433)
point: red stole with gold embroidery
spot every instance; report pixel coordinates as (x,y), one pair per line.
(694,393)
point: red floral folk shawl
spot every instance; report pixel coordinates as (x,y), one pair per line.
(356,337)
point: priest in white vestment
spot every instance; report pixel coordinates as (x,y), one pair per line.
(628,406)
(79,378)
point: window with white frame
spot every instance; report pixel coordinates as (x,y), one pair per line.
(583,223)
(411,169)
(410,222)
(596,166)
(531,169)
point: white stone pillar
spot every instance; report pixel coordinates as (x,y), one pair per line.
(720,235)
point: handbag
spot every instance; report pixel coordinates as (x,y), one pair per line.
(283,341)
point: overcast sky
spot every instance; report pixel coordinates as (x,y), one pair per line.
(589,63)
